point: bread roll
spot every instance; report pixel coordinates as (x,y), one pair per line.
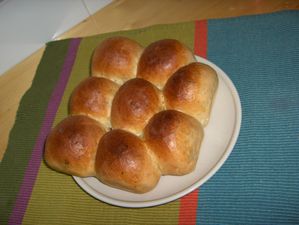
(191,90)
(175,138)
(116,58)
(134,104)
(72,145)
(93,97)
(123,161)
(139,116)
(161,59)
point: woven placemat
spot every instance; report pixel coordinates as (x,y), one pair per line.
(257,185)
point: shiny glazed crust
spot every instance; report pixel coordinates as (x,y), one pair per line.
(124,161)
(93,97)
(116,59)
(134,104)
(191,90)
(71,146)
(139,116)
(175,139)
(161,59)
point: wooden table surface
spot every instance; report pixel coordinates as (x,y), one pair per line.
(124,15)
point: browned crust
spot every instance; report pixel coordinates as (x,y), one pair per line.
(134,104)
(93,97)
(175,139)
(191,90)
(116,59)
(72,145)
(161,59)
(123,161)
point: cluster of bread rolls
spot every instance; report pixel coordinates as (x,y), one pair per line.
(138,116)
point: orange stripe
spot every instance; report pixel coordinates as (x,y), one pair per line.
(189,203)
(188,207)
(201,38)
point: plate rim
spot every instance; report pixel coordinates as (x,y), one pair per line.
(150,203)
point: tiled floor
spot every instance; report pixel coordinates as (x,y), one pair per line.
(28,25)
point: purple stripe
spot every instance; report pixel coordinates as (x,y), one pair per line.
(33,166)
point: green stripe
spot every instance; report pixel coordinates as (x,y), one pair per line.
(26,128)
(56,198)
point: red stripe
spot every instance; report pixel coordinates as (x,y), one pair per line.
(189,203)
(188,208)
(201,38)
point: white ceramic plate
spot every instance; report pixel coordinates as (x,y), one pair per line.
(220,137)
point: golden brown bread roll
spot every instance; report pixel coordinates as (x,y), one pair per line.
(72,145)
(123,161)
(116,58)
(127,91)
(93,97)
(134,104)
(175,138)
(191,90)
(161,59)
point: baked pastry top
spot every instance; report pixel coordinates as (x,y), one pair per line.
(140,115)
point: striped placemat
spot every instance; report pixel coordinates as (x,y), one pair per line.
(257,185)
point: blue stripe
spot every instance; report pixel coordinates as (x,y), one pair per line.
(259,184)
